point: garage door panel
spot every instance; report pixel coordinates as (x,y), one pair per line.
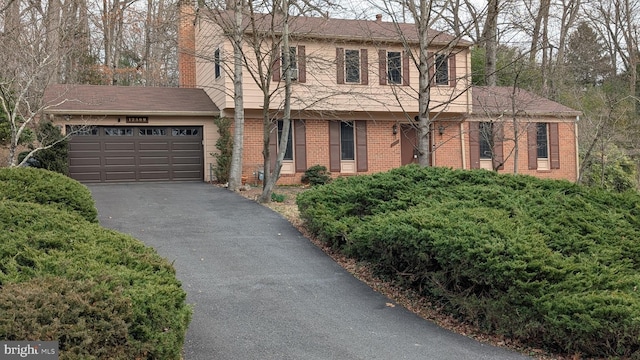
(120,160)
(89,176)
(186,146)
(84,146)
(119,146)
(189,160)
(84,161)
(154,146)
(155,175)
(111,175)
(154,160)
(148,154)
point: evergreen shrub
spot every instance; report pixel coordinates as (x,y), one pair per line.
(48,188)
(94,290)
(550,263)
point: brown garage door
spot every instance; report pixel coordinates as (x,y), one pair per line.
(128,153)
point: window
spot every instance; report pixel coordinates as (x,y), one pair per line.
(216,61)
(293,63)
(152,131)
(347,141)
(352,66)
(288,154)
(486,140)
(82,130)
(348,146)
(543,146)
(118,131)
(184,131)
(442,70)
(542,141)
(394,67)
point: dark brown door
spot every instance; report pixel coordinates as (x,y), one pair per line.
(408,142)
(408,145)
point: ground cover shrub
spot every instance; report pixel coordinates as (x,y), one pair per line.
(48,188)
(547,262)
(94,290)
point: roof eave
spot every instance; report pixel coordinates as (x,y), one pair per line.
(130,113)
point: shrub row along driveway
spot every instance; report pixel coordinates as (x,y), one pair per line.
(260,290)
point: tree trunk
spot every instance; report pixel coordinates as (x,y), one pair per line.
(490,40)
(235,174)
(271,179)
(424,86)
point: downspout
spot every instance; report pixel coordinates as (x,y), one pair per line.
(462,146)
(575,129)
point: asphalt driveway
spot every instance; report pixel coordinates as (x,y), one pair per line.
(261,290)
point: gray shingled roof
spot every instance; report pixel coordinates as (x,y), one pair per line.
(339,29)
(127,100)
(496,100)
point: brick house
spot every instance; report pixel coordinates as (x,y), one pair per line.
(354,96)
(354,99)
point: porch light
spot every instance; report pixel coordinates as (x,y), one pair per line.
(441,130)
(394,129)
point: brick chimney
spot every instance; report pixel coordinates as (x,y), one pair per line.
(378,18)
(186,44)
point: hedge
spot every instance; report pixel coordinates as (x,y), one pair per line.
(47,187)
(100,293)
(547,262)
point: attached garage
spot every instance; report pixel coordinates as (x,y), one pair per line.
(135,134)
(112,154)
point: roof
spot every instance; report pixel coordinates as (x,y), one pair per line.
(340,29)
(127,100)
(497,100)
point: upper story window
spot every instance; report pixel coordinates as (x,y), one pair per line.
(293,63)
(297,67)
(352,66)
(442,69)
(394,67)
(216,62)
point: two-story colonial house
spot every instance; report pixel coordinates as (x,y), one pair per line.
(354,99)
(353,105)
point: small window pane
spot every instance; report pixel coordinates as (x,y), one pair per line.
(442,70)
(118,131)
(82,130)
(486,140)
(184,131)
(288,154)
(347,141)
(394,65)
(542,141)
(152,132)
(352,66)
(216,59)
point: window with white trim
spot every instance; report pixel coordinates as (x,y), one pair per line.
(442,70)
(216,62)
(352,66)
(394,67)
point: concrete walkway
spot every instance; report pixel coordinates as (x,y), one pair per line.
(260,290)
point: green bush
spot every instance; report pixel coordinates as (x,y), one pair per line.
(94,274)
(54,158)
(316,175)
(47,187)
(547,262)
(224,144)
(278,197)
